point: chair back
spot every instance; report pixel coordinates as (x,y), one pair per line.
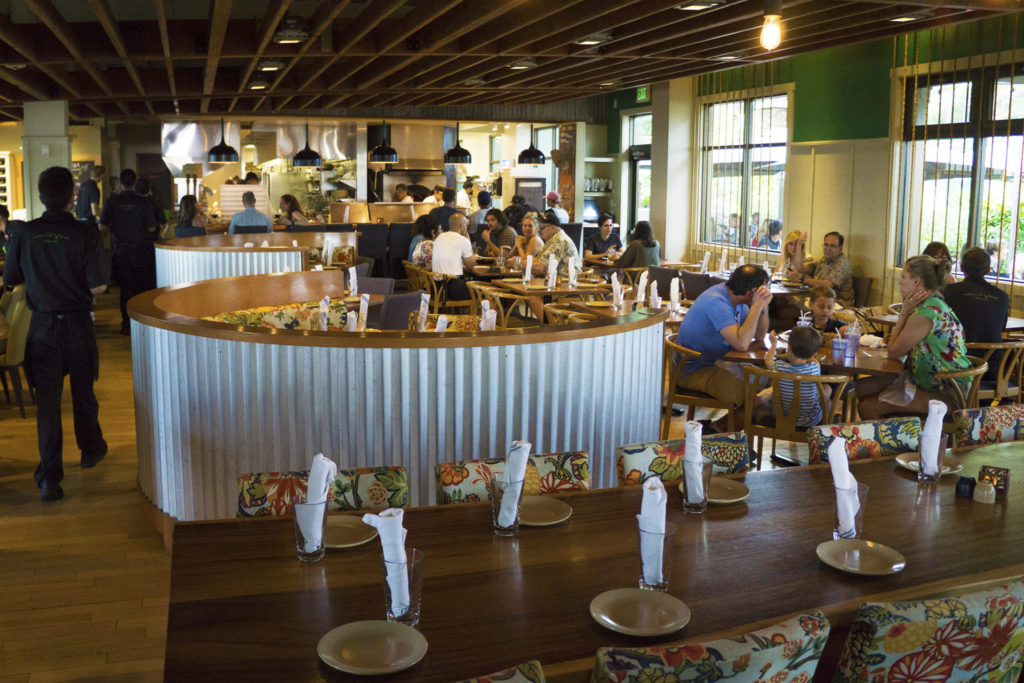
(785,425)
(631,275)
(17,333)
(555,314)
(399,239)
(694,284)
(251,229)
(637,463)
(1010,358)
(376,285)
(784,652)
(270,494)
(861,290)
(664,277)
(977,426)
(395,311)
(321,227)
(978,368)
(527,672)
(874,439)
(476,294)
(503,302)
(977,636)
(373,242)
(575,233)
(466,481)
(582,318)
(588,232)
(10,297)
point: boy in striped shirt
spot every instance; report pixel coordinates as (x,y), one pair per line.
(804,342)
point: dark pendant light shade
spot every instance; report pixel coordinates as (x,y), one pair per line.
(222,152)
(306,156)
(457,154)
(384,153)
(531,155)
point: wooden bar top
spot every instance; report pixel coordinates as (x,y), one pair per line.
(242,607)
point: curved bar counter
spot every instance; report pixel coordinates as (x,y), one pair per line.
(214,400)
(190,259)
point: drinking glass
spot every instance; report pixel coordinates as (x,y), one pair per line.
(656,557)
(930,477)
(848,511)
(310,523)
(401,608)
(505,500)
(696,500)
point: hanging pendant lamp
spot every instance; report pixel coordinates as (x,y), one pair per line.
(306,156)
(222,152)
(531,155)
(457,154)
(384,153)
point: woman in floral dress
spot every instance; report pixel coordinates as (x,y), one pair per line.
(932,338)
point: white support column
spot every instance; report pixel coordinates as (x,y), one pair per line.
(672,165)
(46,143)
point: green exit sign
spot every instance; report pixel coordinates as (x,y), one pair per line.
(643,94)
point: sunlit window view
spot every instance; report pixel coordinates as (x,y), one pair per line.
(962,151)
(640,133)
(744,171)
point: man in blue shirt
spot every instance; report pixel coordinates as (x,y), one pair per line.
(724,318)
(249,217)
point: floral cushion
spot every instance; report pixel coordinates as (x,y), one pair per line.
(299,316)
(270,494)
(786,652)
(456,323)
(864,440)
(466,481)
(988,425)
(527,672)
(664,459)
(975,637)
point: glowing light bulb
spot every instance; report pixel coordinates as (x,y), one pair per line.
(771,32)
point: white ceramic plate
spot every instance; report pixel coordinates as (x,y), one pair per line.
(857,556)
(543,511)
(347,531)
(912,462)
(722,491)
(637,612)
(370,648)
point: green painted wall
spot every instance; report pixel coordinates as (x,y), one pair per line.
(624,99)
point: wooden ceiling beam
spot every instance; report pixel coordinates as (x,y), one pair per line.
(266,32)
(220,15)
(102,11)
(165,43)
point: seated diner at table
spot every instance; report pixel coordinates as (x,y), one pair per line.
(529,243)
(794,253)
(798,359)
(191,219)
(642,250)
(291,212)
(932,338)
(823,303)
(832,270)
(557,244)
(604,242)
(726,317)
(940,252)
(498,234)
(421,248)
(980,306)
(453,253)
(250,217)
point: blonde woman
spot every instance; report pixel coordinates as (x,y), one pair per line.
(794,253)
(529,243)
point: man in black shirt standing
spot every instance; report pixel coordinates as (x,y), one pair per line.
(87,206)
(60,260)
(980,306)
(131,220)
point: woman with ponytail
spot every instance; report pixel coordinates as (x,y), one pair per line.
(932,338)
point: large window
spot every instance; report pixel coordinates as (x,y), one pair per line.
(743,159)
(960,170)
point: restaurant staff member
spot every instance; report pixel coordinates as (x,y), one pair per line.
(130,218)
(60,260)
(87,206)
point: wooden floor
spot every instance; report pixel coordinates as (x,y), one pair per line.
(84,581)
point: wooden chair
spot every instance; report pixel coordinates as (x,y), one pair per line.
(630,275)
(556,315)
(13,358)
(861,290)
(636,463)
(450,305)
(270,494)
(466,481)
(969,637)
(582,318)
(785,652)
(978,368)
(476,294)
(504,303)
(675,357)
(783,426)
(1008,374)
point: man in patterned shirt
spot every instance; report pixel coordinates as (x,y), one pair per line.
(833,270)
(557,244)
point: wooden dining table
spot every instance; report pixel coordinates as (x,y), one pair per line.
(1012,324)
(867,362)
(627,307)
(516,286)
(243,607)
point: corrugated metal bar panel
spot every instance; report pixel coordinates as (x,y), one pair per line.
(208,410)
(174,266)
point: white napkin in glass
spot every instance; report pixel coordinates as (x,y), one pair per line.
(616,290)
(353,282)
(442,323)
(705,262)
(421,320)
(572,273)
(318,267)
(721,262)
(693,462)
(515,471)
(325,308)
(310,520)
(264,243)
(655,297)
(931,437)
(652,520)
(327,255)
(248,245)
(392,542)
(741,261)
(847,501)
(767,267)
(552,271)
(350,321)
(528,270)
(295,243)
(364,304)
(673,294)
(641,290)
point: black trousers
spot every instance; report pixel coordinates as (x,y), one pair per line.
(134,270)
(63,344)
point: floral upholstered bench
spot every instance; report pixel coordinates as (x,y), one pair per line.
(456,322)
(664,459)
(864,440)
(298,316)
(988,425)
(270,494)
(466,481)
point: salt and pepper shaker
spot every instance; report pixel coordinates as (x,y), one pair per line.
(985,492)
(965,487)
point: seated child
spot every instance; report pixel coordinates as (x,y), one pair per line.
(804,342)
(823,303)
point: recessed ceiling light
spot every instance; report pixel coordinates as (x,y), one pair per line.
(527,63)
(270,65)
(594,39)
(259,83)
(697,5)
(290,31)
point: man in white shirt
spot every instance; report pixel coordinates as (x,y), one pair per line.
(462,198)
(553,198)
(453,252)
(435,198)
(402,194)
